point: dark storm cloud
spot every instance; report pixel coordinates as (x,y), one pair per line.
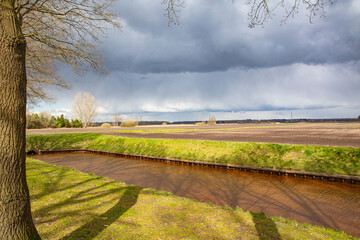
(292,87)
(214,64)
(213,36)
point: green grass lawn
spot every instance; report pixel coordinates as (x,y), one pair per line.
(67,204)
(321,159)
(166,130)
(179,130)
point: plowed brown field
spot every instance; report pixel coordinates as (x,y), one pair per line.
(326,134)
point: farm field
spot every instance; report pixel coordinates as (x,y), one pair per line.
(325,134)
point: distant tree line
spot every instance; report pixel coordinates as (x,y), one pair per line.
(46,120)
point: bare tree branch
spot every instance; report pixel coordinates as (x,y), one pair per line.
(262,10)
(62,31)
(172,10)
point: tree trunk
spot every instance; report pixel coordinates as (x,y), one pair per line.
(15,213)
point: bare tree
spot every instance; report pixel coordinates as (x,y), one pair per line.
(15,213)
(84,108)
(212,120)
(61,31)
(138,119)
(116,119)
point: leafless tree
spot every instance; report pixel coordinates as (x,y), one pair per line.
(212,120)
(138,119)
(116,119)
(84,108)
(62,31)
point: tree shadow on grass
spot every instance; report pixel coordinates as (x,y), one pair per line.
(101,222)
(265,227)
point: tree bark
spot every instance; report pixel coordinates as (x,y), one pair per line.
(15,213)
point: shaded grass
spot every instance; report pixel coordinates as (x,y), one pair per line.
(331,160)
(265,227)
(67,204)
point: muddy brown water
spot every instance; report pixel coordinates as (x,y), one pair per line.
(334,205)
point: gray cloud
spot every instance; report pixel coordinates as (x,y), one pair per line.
(213,63)
(215,37)
(297,86)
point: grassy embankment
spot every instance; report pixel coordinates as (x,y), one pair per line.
(164,130)
(171,130)
(67,204)
(179,130)
(331,160)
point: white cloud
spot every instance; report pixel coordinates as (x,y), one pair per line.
(63,111)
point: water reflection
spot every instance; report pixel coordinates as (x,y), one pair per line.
(335,205)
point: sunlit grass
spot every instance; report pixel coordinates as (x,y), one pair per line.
(141,129)
(67,204)
(179,130)
(332,160)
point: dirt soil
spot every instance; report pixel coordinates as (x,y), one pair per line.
(326,134)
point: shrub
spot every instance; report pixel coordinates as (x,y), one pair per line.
(212,120)
(128,123)
(200,123)
(53,122)
(164,123)
(45,120)
(106,125)
(76,123)
(41,120)
(62,122)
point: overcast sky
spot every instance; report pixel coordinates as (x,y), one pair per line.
(213,63)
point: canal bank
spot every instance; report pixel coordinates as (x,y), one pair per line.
(278,172)
(335,205)
(67,204)
(284,158)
